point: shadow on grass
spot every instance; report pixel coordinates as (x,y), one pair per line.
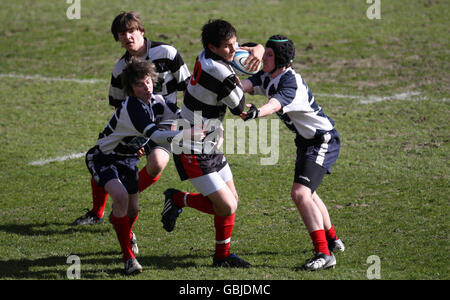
(50,228)
(101,265)
(53,267)
(98,265)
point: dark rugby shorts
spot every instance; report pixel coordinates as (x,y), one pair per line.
(191,166)
(104,168)
(314,160)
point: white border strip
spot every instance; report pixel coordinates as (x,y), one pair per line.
(42,162)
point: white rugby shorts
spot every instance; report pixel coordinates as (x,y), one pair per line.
(212,182)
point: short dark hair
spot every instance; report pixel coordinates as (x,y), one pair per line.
(126,21)
(215,31)
(135,70)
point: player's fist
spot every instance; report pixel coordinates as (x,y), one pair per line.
(252,113)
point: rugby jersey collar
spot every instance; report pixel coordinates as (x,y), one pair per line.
(213,56)
(152,99)
(148,45)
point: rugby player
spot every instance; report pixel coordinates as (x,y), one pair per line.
(212,89)
(113,161)
(128,29)
(317,141)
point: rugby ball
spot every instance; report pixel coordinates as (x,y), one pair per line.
(238,63)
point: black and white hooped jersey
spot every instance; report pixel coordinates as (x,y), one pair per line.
(133,124)
(300,111)
(173,73)
(212,88)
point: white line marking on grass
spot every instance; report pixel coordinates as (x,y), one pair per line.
(43,78)
(374,99)
(402,96)
(42,162)
(362,99)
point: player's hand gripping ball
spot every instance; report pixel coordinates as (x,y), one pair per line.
(240,56)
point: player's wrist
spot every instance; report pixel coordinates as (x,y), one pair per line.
(252,113)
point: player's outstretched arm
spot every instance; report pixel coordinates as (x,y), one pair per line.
(267,109)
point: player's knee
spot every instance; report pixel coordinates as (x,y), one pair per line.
(155,169)
(230,209)
(226,209)
(156,163)
(233,208)
(120,206)
(300,196)
(156,166)
(236,196)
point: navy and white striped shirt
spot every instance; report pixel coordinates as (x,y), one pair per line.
(300,111)
(133,124)
(173,73)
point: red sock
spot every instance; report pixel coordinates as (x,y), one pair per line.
(224,229)
(99,197)
(194,200)
(122,228)
(145,180)
(331,234)
(320,241)
(132,221)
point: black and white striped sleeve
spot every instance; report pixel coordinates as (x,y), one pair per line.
(180,71)
(232,95)
(116,92)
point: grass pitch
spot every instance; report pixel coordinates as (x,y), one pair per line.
(384,81)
